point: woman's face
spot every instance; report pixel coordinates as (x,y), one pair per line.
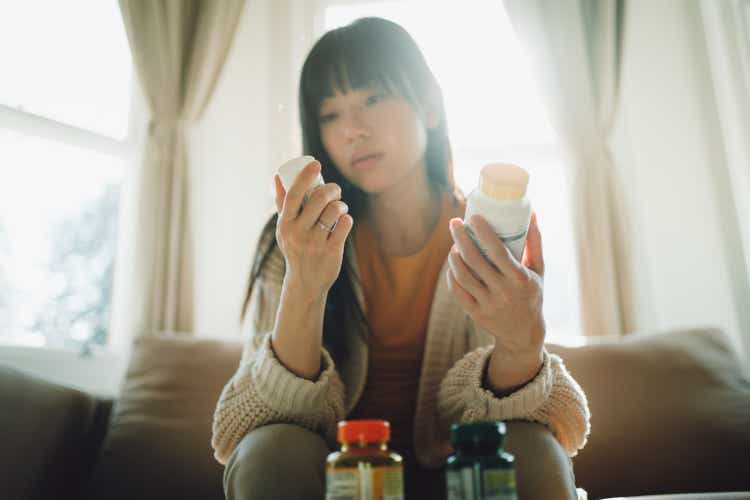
(375,138)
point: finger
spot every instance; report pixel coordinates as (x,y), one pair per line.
(533,257)
(497,251)
(330,217)
(338,237)
(318,201)
(464,298)
(473,257)
(280,192)
(465,277)
(296,194)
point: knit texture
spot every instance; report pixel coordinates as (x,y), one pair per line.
(262,391)
(553,398)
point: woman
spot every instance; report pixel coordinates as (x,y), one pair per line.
(369,300)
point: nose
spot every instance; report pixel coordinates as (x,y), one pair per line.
(355,128)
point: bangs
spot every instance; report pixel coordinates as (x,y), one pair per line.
(352,58)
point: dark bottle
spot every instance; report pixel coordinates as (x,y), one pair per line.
(479,469)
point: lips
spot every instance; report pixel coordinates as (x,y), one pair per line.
(364,159)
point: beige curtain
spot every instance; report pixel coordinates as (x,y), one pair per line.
(575,46)
(179,48)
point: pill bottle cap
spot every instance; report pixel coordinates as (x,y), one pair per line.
(364,431)
(487,434)
(503,181)
(289,170)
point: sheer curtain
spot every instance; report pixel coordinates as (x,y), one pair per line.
(575,46)
(179,48)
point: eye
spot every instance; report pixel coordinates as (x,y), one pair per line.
(375,98)
(327,118)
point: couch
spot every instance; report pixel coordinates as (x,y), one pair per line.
(670,414)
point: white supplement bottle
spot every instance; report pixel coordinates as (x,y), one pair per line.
(289,171)
(501,199)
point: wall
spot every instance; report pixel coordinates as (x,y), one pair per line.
(669,149)
(248,129)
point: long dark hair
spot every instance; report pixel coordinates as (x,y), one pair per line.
(368,51)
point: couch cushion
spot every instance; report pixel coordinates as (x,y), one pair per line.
(158,445)
(670,413)
(49,435)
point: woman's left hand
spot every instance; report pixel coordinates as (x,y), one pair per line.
(503,297)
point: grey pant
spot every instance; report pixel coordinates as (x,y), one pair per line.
(287,461)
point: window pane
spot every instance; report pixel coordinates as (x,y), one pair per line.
(68,61)
(58,226)
(490,95)
(494,113)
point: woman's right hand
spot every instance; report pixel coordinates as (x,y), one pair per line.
(313,255)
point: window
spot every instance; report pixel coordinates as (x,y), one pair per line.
(65,98)
(494,114)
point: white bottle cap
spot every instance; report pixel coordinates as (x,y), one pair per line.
(503,181)
(289,170)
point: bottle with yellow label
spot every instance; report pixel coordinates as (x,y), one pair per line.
(479,469)
(501,199)
(364,469)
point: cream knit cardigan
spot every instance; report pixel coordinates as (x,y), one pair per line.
(262,391)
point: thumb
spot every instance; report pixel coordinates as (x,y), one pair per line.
(280,193)
(532,256)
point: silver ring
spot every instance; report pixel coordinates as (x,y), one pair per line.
(324,227)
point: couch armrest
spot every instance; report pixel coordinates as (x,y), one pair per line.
(50,435)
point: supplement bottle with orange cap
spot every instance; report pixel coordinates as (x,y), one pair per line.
(364,469)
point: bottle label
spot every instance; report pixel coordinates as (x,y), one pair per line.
(460,484)
(492,484)
(514,242)
(365,482)
(499,484)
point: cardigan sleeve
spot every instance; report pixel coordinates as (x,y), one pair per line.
(552,398)
(263,391)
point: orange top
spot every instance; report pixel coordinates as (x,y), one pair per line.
(363,431)
(398,293)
